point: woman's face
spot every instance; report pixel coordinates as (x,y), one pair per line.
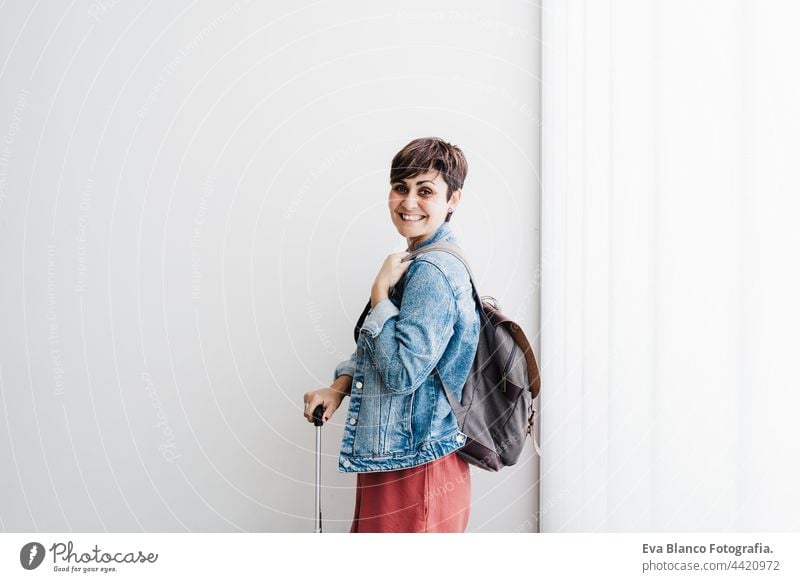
(419,205)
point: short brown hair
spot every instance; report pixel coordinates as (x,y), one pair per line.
(431,153)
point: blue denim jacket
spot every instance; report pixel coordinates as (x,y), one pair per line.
(399,415)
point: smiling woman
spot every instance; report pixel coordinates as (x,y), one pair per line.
(400,433)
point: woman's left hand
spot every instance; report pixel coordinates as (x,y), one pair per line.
(391,272)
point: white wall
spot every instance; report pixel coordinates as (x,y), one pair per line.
(669,248)
(192,209)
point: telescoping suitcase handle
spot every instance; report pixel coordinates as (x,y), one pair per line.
(317,415)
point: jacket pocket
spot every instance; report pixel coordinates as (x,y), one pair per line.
(365,440)
(424,411)
(396,424)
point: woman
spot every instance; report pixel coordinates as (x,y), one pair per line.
(400,433)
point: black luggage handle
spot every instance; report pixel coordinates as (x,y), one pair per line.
(318,412)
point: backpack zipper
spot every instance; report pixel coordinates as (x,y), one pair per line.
(507,367)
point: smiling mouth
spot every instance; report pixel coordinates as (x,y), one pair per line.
(411,217)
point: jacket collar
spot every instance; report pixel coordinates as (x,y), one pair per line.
(444,232)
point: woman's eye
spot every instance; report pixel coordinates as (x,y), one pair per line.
(403,190)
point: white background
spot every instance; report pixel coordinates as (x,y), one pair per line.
(670,242)
(192,209)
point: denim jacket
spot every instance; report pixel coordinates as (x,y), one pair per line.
(399,415)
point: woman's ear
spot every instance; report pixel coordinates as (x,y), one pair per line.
(455,198)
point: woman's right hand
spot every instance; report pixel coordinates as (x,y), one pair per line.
(330,398)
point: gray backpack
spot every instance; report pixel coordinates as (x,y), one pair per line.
(496,410)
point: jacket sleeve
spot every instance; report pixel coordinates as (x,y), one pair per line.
(345,367)
(407,343)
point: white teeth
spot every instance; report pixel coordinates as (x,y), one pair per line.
(412,217)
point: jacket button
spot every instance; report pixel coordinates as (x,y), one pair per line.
(460,438)
(346,464)
(352,421)
(359,384)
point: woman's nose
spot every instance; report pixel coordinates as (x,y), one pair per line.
(411,199)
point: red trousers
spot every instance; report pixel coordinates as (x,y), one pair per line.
(433,497)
